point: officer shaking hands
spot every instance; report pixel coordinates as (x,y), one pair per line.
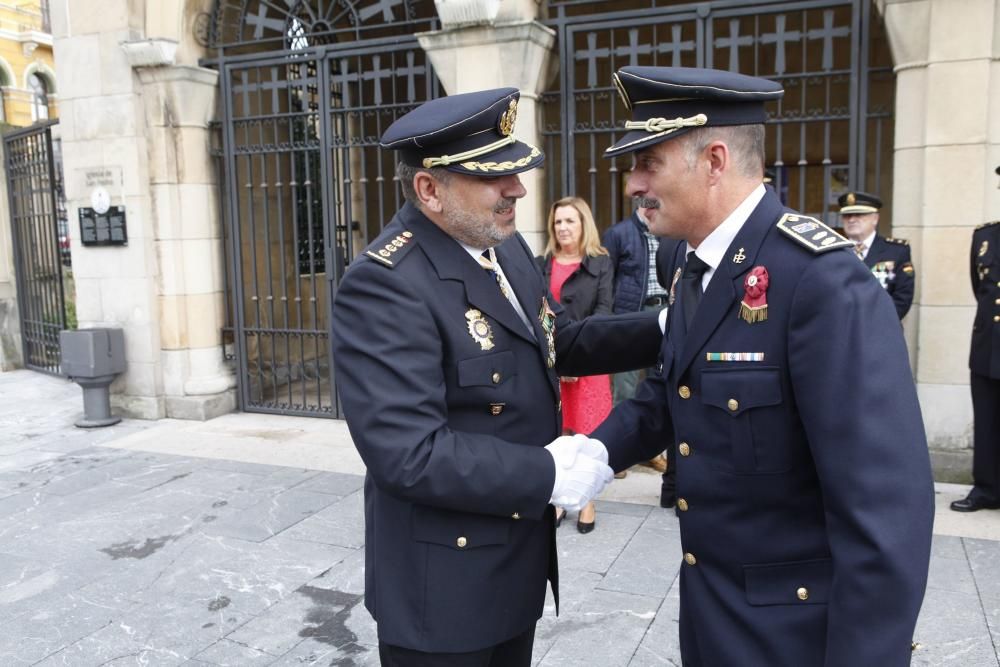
(888,258)
(448,352)
(803,476)
(984,362)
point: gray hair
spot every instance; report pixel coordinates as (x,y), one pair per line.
(745,142)
(405,174)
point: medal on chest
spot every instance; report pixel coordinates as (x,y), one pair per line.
(753,307)
(548,321)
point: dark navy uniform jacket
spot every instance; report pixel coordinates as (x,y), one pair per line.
(889,261)
(984,358)
(451,425)
(803,477)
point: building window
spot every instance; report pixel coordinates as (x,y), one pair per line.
(39,97)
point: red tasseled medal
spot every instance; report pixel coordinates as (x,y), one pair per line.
(753,308)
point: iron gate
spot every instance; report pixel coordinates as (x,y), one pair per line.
(31,188)
(826,135)
(305,184)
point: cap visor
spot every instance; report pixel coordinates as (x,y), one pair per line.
(636,140)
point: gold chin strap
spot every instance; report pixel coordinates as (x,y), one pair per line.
(664,124)
(445,160)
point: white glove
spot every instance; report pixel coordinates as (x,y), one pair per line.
(579,478)
(595,449)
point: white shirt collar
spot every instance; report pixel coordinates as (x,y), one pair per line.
(869,240)
(475,253)
(714,247)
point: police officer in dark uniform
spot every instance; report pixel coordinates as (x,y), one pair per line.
(984,361)
(888,258)
(803,476)
(448,351)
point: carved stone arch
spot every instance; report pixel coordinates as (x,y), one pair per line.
(7,77)
(273,25)
(45,72)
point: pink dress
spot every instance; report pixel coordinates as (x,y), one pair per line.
(587,401)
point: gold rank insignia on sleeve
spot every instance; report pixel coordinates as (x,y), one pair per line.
(811,233)
(388,251)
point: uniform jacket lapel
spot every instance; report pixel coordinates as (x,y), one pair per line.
(451,262)
(875,252)
(720,297)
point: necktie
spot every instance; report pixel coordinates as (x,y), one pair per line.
(488,260)
(694,269)
(859,250)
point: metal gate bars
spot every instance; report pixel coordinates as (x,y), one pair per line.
(31,183)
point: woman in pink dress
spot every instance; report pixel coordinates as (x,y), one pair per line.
(580,277)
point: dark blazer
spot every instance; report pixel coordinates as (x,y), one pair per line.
(626,245)
(984,358)
(807,527)
(588,289)
(450,400)
(889,261)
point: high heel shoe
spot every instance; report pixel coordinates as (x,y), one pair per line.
(560,515)
(585,527)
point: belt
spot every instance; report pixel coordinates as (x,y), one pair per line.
(655,301)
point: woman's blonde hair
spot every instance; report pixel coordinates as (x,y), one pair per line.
(590,240)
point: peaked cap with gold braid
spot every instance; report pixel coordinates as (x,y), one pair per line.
(469,133)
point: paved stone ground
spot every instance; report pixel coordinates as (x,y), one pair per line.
(120,546)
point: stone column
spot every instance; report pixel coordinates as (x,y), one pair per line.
(947,144)
(10,324)
(504,48)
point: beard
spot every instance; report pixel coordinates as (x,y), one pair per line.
(477,229)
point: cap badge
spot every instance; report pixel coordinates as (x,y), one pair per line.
(753,307)
(547,319)
(479,329)
(507,119)
(851,199)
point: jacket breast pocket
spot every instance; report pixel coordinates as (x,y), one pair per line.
(458,530)
(795,582)
(748,396)
(489,370)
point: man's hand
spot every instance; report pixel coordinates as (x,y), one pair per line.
(579,475)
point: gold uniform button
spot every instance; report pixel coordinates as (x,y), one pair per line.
(461,542)
(682,505)
(684,449)
(803,593)
(690,559)
(515,516)
(996,318)
(684,391)
(997,302)
(496,378)
(733,404)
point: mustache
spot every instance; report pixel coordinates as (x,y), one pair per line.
(506,202)
(645,202)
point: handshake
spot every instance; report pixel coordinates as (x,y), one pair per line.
(582,470)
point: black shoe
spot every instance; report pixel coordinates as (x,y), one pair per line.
(668,498)
(970,504)
(585,528)
(560,515)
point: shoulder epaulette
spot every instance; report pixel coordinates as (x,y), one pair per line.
(890,239)
(389,250)
(811,233)
(987,224)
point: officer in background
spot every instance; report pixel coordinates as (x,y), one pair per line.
(888,258)
(806,514)
(448,352)
(984,361)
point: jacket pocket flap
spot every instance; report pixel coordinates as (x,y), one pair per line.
(738,389)
(487,370)
(458,530)
(798,582)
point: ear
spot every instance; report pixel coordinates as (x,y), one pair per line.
(719,160)
(428,191)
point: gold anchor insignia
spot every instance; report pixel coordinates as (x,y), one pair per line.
(507,119)
(983,248)
(479,329)
(739,257)
(851,199)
